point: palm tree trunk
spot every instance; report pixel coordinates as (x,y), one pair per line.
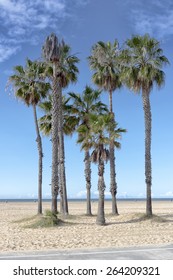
(113,184)
(110,102)
(61,203)
(101,188)
(61,196)
(62,154)
(63,179)
(40,162)
(54,132)
(148,168)
(88,181)
(60,183)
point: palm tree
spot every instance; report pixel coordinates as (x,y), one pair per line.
(69,124)
(104,61)
(82,106)
(31,89)
(57,55)
(142,62)
(98,138)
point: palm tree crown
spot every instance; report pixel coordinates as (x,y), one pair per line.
(28,83)
(98,133)
(83,105)
(59,52)
(142,62)
(104,61)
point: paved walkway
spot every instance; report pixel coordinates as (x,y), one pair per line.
(131,253)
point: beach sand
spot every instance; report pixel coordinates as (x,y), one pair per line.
(129,228)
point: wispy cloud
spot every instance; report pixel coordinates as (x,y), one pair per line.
(81,194)
(22,16)
(167,194)
(23,21)
(6,51)
(153,17)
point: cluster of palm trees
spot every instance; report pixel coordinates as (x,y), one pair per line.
(40,83)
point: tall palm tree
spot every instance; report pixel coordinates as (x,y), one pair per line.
(143,60)
(31,89)
(98,138)
(57,55)
(69,124)
(82,106)
(104,62)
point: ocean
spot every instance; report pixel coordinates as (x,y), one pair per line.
(81,200)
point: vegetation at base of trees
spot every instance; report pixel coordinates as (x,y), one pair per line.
(49,219)
(139,217)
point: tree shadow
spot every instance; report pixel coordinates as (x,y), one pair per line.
(141,218)
(168,217)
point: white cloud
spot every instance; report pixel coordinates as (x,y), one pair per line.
(47,195)
(107,194)
(52,5)
(81,194)
(7,51)
(140,195)
(12,6)
(122,195)
(167,194)
(94,194)
(160,25)
(28,15)
(16,31)
(153,17)
(81,2)
(22,21)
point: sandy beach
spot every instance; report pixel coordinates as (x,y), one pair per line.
(130,228)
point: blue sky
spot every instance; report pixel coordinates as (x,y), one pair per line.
(24,25)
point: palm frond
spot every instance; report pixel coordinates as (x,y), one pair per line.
(104,61)
(27,84)
(99,134)
(142,63)
(55,51)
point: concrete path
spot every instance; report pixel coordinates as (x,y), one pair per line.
(131,253)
